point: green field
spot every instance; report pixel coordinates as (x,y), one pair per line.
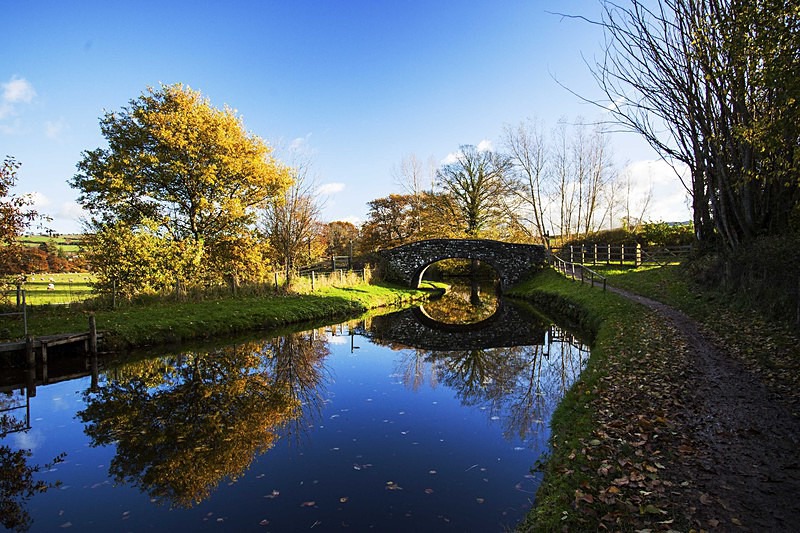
(67,288)
(67,243)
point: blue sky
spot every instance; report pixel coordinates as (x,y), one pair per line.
(357,84)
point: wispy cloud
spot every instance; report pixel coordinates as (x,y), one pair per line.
(15,92)
(328,189)
(54,129)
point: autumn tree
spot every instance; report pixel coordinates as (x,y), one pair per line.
(475,182)
(15,215)
(182,426)
(340,237)
(190,169)
(394,220)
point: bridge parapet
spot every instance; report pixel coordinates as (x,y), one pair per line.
(513,262)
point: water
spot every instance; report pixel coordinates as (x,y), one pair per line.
(333,428)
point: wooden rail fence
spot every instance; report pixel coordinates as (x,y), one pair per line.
(622,254)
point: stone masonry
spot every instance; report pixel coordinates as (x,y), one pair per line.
(513,262)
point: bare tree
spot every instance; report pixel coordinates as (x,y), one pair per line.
(290,221)
(712,84)
(477,186)
(527,146)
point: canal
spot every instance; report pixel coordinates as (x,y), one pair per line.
(349,426)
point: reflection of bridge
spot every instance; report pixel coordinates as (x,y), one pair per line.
(509,326)
(513,262)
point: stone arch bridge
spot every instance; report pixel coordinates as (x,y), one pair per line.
(513,262)
(509,326)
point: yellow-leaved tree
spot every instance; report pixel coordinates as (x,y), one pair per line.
(181,170)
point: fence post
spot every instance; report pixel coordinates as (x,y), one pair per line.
(24,312)
(594,257)
(583,255)
(571,257)
(313,279)
(621,253)
(30,368)
(638,254)
(92,336)
(608,254)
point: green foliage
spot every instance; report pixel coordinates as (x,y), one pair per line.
(187,172)
(131,261)
(647,234)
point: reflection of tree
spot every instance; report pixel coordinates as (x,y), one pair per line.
(457,306)
(207,418)
(521,384)
(17,485)
(296,361)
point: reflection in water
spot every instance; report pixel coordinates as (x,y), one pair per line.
(519,385)
(181,424)
(17,485)
(463,303)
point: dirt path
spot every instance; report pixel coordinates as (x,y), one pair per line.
(746,469)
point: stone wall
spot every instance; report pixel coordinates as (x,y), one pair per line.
(513,262)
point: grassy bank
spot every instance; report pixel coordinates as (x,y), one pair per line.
(613,439)
(164,322)
(768,348)
(621,455)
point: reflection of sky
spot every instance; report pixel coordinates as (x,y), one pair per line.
(380,455)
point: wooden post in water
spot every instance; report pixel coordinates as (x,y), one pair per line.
(92,336)
(30,367)
(44,362)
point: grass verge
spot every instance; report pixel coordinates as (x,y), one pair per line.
(159,323)
(613,438)
(769,349)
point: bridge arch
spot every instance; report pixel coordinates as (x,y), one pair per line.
(513,262)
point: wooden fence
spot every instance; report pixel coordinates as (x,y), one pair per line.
(622,254)
(577,271)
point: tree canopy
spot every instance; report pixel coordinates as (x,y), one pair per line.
(188,170)
(476,184)
(714,85)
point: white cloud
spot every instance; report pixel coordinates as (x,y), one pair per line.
(485,146)
(300,144)
(356,221)
(450,158)
(18,90)
(327,189)
(15,91)
(54,130)
(669,201)
(40,200)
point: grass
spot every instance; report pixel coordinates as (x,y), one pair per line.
(67,243)
(768,348)
(629,389)
(165,322)
(67,288)
(618,329)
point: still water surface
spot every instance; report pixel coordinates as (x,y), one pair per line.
(324,429)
